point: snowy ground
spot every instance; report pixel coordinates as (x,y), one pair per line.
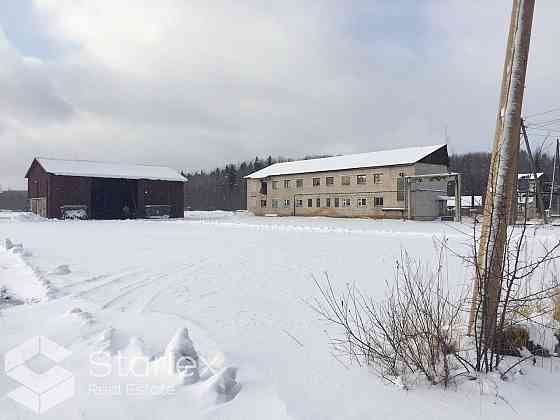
(240,285)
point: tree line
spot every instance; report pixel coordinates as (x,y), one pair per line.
(13,200)
(225,188)
(475,167)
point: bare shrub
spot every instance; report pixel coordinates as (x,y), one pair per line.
(414,332)
(420,330)
(525,297)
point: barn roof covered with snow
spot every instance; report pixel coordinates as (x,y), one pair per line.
(91,169)
(407,156)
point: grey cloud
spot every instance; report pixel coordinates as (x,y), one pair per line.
(27,92)
(197,84)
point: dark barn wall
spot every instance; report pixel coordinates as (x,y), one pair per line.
(37,182)
(178,199)
(162,192)
(68,191)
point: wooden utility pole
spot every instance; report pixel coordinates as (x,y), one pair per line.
(556,157)
(501,180)
(538,192)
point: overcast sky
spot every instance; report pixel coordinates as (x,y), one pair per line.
(194,84)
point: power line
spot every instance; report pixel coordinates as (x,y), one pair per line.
(543,123)
(545,130)
(541,135)
(542,113)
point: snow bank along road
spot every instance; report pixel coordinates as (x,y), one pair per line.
(240,285)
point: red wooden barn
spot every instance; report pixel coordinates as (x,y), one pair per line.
(97,190)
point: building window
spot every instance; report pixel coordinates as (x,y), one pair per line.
(286,204)
(309,202)
(328,202)
(274,204)
(299,183)
(318,202)
(400,187)
(274,185)
(362,202)
(345,180)
(299,203)
(287,183)
(378,201)
(330,180)
(316,182)
(263,203)
(378,178)
(361,179)
(346,202)
(451,188)
(337,202)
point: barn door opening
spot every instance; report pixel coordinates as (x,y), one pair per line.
(39,206)
(113,198)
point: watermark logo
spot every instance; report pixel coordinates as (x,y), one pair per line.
(39,391)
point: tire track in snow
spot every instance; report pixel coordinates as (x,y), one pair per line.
(79,288)
(142,293)
(114,280)
(182,272)
(130,291)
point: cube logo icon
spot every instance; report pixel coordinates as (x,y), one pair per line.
(39,391)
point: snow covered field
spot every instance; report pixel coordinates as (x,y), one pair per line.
(241,286)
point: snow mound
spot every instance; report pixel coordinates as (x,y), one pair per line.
(209,215)
(136,347)
(182,356)
(220,388)
(61,270)
(84,316)
(17,216)
(225,385)
(18,276)
(7,299)
(15,248)
(106,341)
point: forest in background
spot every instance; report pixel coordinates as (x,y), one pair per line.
(224,188)
(13,200)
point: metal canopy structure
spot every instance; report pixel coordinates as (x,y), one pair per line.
(415,179)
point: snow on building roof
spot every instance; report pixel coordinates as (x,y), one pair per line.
(529,176)
(406,156)
(90,169)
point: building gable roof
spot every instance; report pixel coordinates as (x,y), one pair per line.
(407,156)
(91,169)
